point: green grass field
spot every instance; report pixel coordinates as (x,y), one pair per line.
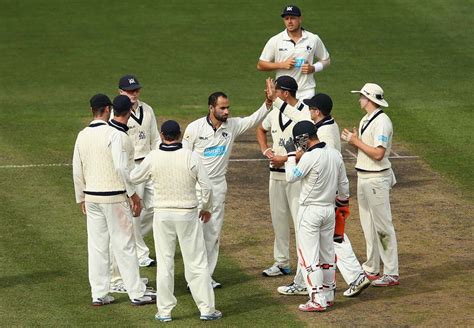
(57,54)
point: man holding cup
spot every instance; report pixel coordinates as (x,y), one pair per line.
(292,52)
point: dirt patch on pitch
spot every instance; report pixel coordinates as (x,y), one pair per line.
(435,241)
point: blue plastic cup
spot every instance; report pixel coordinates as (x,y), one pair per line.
(299,62)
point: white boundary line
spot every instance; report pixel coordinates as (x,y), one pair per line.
(352,157)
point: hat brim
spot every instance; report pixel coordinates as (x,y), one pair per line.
(290,14)
(381,102)
(134,87)
(309,103)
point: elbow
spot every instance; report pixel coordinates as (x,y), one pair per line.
(259,67)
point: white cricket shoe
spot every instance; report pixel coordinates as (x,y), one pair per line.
(107,299)
(292,289)
(119,287)
(357,286)
(146,262)
(215,284)
(147,298)
(386,281)
(311,307)
(163,317)
(276,270)
(216,315)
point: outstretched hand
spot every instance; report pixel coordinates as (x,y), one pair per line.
(270,89)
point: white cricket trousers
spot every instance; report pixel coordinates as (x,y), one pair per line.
(112,224)
(212,229)
(373,193)
(316,250)
(183,226)
(346,261)
(144,224)
(284,205)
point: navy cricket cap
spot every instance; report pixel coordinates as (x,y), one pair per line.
(122,105)
(170,128)
(129,82)
(304,127)
(320,101)
(286,82)
(100,100)
(291,10)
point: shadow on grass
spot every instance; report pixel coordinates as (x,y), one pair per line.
(29,278)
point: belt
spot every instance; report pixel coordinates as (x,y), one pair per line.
(362,170)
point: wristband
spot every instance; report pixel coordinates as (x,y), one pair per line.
(265,151)
(318,67)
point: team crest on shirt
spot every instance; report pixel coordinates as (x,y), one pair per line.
(308,48)
(141,135)
(282,49)
(225,135)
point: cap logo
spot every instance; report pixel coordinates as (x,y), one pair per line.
(131,81)
(289,8)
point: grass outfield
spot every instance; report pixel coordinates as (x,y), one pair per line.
(56,54)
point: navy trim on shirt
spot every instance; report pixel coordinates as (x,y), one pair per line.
(318,145)
(274,169)
(280,118)
(208,120)
(370,121)
(138,119)
(328,120)
(94,125)
(119,126)
(171,147)
(105,193)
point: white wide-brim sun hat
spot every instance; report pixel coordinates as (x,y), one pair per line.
(374,92)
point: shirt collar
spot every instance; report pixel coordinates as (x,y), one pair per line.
(325,121)
(373,113)
(318,145)
(171,147)
(95,123)
(208,120)
(286,36)
(119,126)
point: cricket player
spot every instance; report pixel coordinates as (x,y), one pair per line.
(212,137)
(320,107)
(375,178)
(323,176)
(143,131)
(102,184)
(283,196)
(293,51)
(174,172)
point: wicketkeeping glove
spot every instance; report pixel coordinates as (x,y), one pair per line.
(290,146)
(342,213)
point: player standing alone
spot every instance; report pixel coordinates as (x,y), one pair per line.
(292,52)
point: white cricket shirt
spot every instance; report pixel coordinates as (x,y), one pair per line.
(280,47)
(215,145)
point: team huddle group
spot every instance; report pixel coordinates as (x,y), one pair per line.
(130,179)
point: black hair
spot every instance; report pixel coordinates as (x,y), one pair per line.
(212,101)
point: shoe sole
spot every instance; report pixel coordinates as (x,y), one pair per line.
(386,285)
(163,319)
(312,310)
(210,318)
(293,294)
(281,273)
